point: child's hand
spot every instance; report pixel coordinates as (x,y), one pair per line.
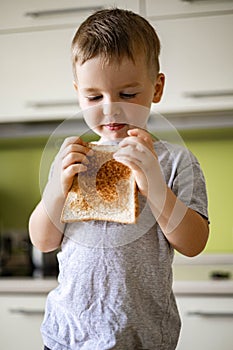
(70,160)
(137,152)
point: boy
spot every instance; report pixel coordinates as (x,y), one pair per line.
(120,297)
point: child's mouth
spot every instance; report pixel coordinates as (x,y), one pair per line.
(114,126)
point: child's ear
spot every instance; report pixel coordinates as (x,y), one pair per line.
(75,85)
(76,89)
(159,85)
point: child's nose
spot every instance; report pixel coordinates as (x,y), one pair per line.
(111,109)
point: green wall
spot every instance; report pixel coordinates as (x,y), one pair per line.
(20,191)
(19,186)
(25,164)
(215,153)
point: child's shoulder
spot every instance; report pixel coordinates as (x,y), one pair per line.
(173,153)
(166,146)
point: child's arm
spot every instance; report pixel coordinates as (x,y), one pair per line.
(186,230)
(45,228)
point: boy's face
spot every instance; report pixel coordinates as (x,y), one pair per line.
(121,93)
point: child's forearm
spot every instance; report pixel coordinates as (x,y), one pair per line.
(45,228)
(186,230)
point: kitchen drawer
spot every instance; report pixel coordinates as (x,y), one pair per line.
(207,322)
(20,320)
(161,9)
(34,14)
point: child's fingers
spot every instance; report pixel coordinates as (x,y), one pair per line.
(68,176)
(133,164)
(133,152)
(71,140)
(135,142)
(144,134)
(140,137)
(75,141)
(73,170)
(74,150)
(74,158)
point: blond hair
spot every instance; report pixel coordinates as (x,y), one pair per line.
(114,34)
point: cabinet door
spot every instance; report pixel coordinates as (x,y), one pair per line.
(20,320)
(196,57)
(159,9)
(207,323)
(33,14)
(36,72)
(36,76)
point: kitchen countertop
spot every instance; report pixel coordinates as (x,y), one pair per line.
(206,274)
(192,276)
(203,288)
(43,286)
(27,285)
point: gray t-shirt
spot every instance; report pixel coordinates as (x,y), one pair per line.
(115,280)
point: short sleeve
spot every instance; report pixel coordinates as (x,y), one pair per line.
(189,183)
(183,174)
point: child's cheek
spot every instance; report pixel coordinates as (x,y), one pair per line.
(93,116)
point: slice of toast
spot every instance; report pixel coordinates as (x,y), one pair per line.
(106,191)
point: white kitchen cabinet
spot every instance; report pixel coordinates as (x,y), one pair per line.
(20,320)
(33,14)
(35,64)
(36,76)
(161,9)
(207,322)
(196,57)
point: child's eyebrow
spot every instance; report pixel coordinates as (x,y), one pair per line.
(89,90)
(133,84)
(128,85)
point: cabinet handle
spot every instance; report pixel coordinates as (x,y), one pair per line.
(27,312)
(202,0)
(52,104)
(65,11)
(208,314)
(209,94)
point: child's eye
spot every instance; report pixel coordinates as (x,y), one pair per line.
(94,98)
(127,96)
